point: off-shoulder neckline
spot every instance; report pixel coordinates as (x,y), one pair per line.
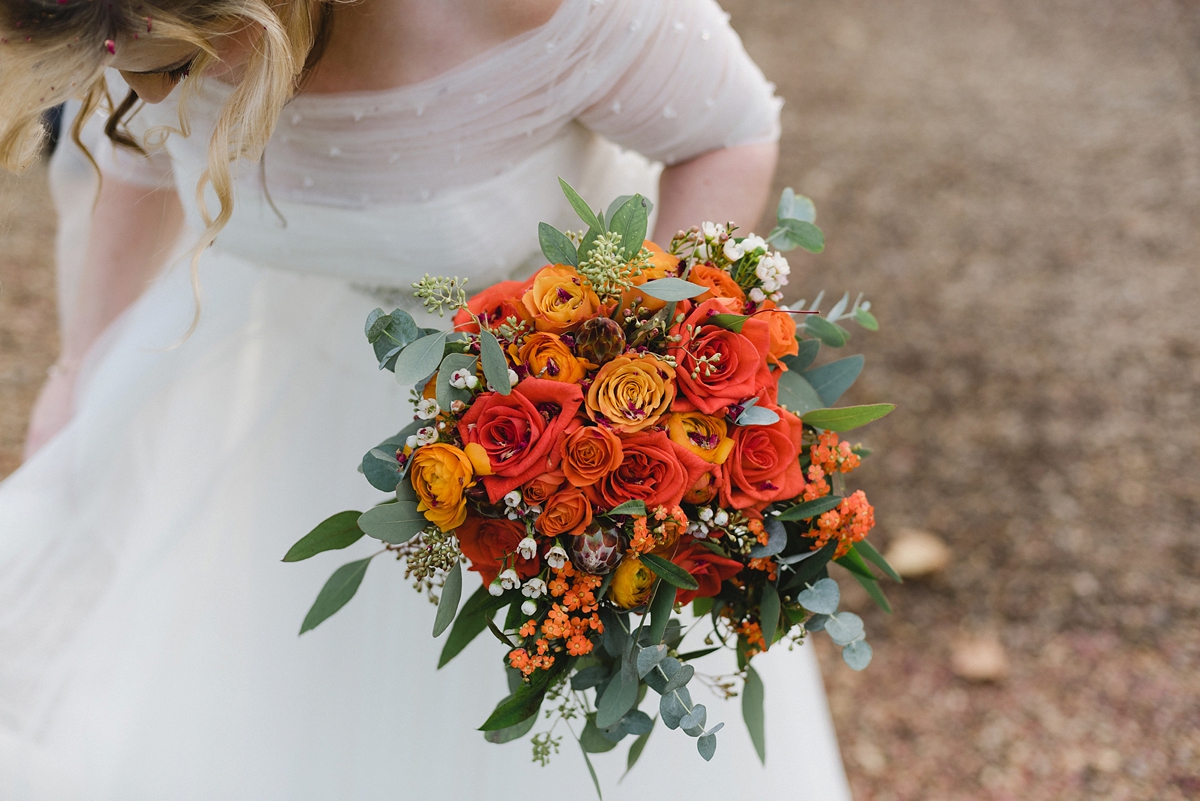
(472,65)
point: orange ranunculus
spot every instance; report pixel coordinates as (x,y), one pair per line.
(491,545)
(720,284)
(661,265)
(589,454)
(566,512)
(702,434)
(631,392)
(495,305)
(547,356)
(558,299)
(765,465)
(653,469)
(516,437)
(440,475)
(783,334)
(631,584)
(705,489)
(735,365)
(537,490)
(708,569)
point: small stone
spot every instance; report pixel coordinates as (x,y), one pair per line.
(915,553)
(870,758)
(979,658)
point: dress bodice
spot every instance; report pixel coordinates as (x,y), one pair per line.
(451,175)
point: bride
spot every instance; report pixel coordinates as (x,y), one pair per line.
(208,409)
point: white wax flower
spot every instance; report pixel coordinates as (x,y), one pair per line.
(766,269)
(757,295)
(781,264)
(509,579)
(753,242)
(428,408)
(721,517)
(427,435)
(527,548)
(534,588)
(712,230)
(412,441)
(463,379)
(734,250)
(771,285)
(529,607)
(512,499)
(556,557)
(513,378)
(705,514)
(777,296)
(495,589)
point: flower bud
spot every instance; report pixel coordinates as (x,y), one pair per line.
(600,340)
(596,551)
(495,589)
(529,607)
(721,517)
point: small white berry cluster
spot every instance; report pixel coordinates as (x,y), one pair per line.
(708,520)
(464,379)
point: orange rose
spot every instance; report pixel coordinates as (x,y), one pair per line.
(708,569)
(546,356)
(589,454)
(494,305)
(653,469)
(441,474)
(491,546)
(558,299)
(631,392)
(542,487)
(566,512)
(765,465)
(783,334)
(720,284)
(734,367)
(702,434)
(661,265)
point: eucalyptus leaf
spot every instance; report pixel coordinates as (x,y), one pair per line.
(769,614)
(630,221)
(393,523)
(379,464)
(516,732)
(795,207)
(833,379)
(421,358)
(672,710)
(868,552)
(331,534)
(839,307)
(730,322)
(866,319)
(752,712)
(593,738)
(469,624)
(448,603)
(847,418)
(810,509)
(636,722)
(829,333)
(336,593)
(615,638)
(776,539)
(757,416)
(857,654)
(680,678)
(796,394)
(589,677)
(649,658)
(591,772)
(588,244)
(389,334)
(698,653)
(657,679)
(816,623)
(792,233)
(707,746)
(670,572)
(855,564)
(637,508)
(556,247)
(618,698)
(581,207)
(495,365)
(693,722)
(796,558)
(844,627)
(672,289)
(635,752)
(526,701)
(808,350)
(822,598)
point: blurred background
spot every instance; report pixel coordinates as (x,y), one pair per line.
(1016,187)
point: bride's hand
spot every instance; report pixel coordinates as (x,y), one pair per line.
(53,409)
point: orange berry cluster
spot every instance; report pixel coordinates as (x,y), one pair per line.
(833,456)
(848,523)
(573,619)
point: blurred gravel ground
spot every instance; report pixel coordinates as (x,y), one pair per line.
(1016,185)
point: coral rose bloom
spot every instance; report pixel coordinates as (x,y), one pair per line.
(558,299)
(783,334)
(720,284)
(566,512)
(653,469)
(494,305)
(708,569)
(547,356)
(735,366)
(513,438)
(537,490)
(631,583)
(631,392)
(589,454)
(440,475)
(491,545)
(661,265)
(765,465)
(702,434)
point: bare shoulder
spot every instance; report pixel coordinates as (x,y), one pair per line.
(508,18)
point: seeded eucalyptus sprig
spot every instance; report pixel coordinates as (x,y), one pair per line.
(440,293)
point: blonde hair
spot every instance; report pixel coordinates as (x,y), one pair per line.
(51,50)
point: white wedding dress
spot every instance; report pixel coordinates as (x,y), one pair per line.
(148,629)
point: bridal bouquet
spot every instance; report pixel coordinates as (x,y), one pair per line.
(631,431)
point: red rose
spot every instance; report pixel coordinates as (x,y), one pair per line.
(765,463)
(511,439)
(653,469)
(491,545)
(708,569)
(494,305)
(735,366)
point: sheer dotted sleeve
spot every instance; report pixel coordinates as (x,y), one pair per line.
(685,85)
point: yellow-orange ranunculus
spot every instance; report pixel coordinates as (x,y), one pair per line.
(661,265)
(783,334)
(546,356)
(441,474)
(559,299)
(702,434)
(632,393)
(631,583)
(720,284)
